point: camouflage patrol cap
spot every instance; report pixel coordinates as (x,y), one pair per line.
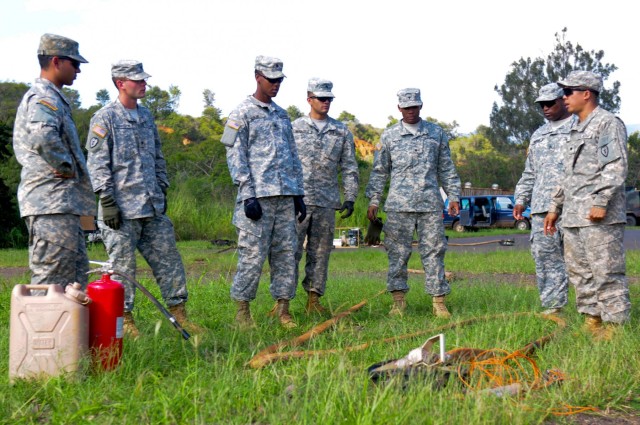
(269,67)
(549,92)
(320,87)
(57,45)
(409,97)
(129,69)
(587,79)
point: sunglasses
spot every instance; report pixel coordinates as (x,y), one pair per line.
(272,80)
(74,63)
(569,91)
(322,99)
(547,104)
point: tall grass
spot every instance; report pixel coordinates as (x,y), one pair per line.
(163,379)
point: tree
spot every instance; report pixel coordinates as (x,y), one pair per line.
(514,120)
(73,97)
(161,103)
(633,174)
(294,113)
(102,97)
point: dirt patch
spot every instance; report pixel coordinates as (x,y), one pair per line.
(602,418)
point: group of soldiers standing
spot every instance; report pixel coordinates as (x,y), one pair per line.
(288,191)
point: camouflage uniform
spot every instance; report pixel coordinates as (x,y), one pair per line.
(126,162)
(595,170)
(45,141)
(543,172)
(263,163)
(323,153)
(417,165)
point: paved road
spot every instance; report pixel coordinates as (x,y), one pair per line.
(521,242)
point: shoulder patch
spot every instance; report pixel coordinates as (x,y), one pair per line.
(100,131)
(234,125)
(48,104)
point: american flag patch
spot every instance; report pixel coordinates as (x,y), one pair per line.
(233,124)
(48,105)
(99,131)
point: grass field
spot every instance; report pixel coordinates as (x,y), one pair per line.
(164,379)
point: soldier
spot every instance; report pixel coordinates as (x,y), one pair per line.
(264,165)
(591,198)
(415,155)
(542,173)
(54,188)
(325,147)
(129,174)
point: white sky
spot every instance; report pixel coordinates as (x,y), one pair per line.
(454,51)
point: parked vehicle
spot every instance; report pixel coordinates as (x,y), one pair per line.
(483,211)
(633,207)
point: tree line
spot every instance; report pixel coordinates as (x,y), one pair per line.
(196,161)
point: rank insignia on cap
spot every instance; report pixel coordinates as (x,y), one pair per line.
(99,131)
(48,105)
(233,124)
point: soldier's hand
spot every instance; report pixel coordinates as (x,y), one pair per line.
(372,212)
(110,212)
(517,212)
(252,209)
(549,223)
(300,208)
(597,213)
(348,207)
(454,208)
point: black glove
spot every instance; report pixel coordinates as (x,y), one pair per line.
(252,209)
(110,212)
(348,206)
(166,205)
(300,208)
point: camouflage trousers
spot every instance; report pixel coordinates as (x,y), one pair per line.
(272,236)
(547,252)
(595,260)
(432,245)
(57,250)
(154,237)
(318,229)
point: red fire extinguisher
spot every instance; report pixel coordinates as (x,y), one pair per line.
(106,319)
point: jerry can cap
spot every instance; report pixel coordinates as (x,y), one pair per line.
(75,292)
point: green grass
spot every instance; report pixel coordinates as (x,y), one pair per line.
(163,379)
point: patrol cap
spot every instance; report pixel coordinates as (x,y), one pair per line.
(409,97)
(129,69)
(320,87)
(269,67)
(586,79)
(549,92)
(57,45)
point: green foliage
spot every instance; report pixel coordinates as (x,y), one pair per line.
(516,117)
(73,96)
(294,113)
(161,103)
(633,145)
(102,97)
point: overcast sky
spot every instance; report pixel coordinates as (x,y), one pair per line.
(454,51)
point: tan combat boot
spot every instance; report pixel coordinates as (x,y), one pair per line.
(285,318)
(243,316)
(399,304)
(439,309)
(313,304)
(129,326)
(180,313)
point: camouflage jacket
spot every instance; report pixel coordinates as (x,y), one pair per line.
(45,142)
(323,153)
(595,161)
(543,168)
(261,152)
(417,165)
(125,160)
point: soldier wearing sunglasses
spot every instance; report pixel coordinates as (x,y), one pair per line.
(591,199)
(54,188)
(542,174)
(325,147)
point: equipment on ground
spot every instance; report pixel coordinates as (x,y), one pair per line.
(106,321)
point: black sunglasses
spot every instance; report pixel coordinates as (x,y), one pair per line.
(547,104)
(322,99)
(74,63)
(272,80)
(569,91)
